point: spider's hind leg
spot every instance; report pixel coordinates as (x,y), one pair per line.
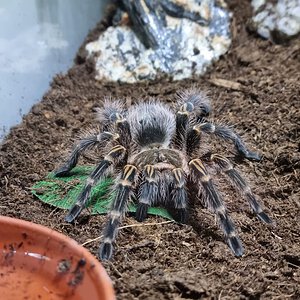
(239,182)
(83,145)
(216,204)
(195,103)
(111,117)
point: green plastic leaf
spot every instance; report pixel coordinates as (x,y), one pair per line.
(62,192)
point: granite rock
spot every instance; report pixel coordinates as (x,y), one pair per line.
(173,38)
(276,20)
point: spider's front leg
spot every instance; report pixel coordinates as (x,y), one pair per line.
(224,132)
(239,182)
(179,196)
(123,189)
(152,187)
(215,203)
(148,192)
(116,154)
(80,147)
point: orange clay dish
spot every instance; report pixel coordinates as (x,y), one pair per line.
(39,263)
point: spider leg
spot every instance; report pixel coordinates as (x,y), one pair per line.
(240,183)
(179,195)
(224,132)
(215,203)
(119,205)
(194,102)
(82,145)
(123,129)
(114,155)
(148,192)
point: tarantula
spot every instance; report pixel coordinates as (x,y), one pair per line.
(155,151)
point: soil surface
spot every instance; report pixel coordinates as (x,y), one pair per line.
(171,261)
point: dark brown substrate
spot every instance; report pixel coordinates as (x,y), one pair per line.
(192,261)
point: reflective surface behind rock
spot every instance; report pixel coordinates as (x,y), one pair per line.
(38,38)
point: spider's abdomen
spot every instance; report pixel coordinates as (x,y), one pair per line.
(151,123)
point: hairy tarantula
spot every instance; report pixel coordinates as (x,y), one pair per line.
(156,151)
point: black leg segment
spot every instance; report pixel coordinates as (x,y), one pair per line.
(215,203)
(226,134)
(240,183)
(116,152)
(82,146)
(182,120)
(123,130)
(179,195)
(118,208)
(148,192)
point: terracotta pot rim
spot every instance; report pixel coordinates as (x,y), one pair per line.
(41,229)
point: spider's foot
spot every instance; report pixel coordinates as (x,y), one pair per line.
(236,246)
(264,217)
(253,156)
(105,251)
(181,215)
(61,172)
(73,213)
(141,212)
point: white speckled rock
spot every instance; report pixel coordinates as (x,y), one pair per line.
(276,21)
(187,47)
